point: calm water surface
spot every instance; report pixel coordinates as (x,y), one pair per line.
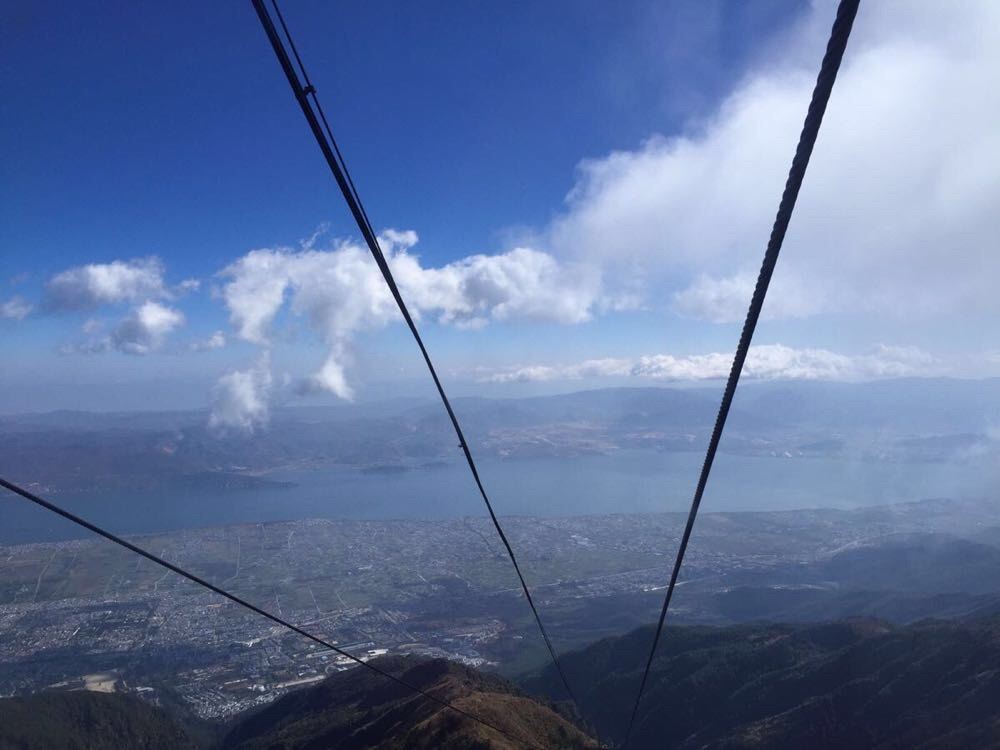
(627,482)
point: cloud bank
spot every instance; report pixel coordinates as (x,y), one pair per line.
(898,211)
(765,362)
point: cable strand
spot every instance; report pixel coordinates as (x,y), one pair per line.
(304,96)
(839,35)
(311,90)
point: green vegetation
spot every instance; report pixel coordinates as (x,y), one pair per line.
(87,721)
(849,684)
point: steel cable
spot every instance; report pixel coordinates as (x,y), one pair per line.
(306,96)
(839,34)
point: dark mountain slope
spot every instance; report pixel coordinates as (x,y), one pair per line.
(87,721)
(860,684)
(348,711)
(803,605)
(358,709)
(928,563)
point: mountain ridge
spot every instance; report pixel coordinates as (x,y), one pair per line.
(859,683)
(359,709)
(352,710)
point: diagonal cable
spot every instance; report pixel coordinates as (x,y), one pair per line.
(306,97)
(30,496)
(840,33)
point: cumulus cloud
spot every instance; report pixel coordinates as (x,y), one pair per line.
(341,292)
(89,286)
(765,362)
(15,308)
(241,399)
(521,284)
(332,376)
(139,282)
(146,328)
(898,211)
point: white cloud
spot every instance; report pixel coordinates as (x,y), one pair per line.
(521,284)
(332,376)
(86,287)
(139,282)
(775,362)
(717,300)
(725,300)
(189,285)
(591,368)
(765,362)
(145,329)
(216,341)
(898,211)
(341,292)
(241,399)
(15,308)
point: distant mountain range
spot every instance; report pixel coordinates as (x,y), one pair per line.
(923,420)
(849,684)
(901,577)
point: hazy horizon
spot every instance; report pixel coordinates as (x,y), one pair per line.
(135,397)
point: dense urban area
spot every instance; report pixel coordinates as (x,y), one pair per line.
(83,613)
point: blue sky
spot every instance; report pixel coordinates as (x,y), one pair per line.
(639,147)
(169,130)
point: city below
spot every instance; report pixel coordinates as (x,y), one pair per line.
(85,614)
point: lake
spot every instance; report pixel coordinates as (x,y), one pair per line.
(625,482)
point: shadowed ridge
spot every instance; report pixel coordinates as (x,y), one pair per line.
(856,683)
(356,709)
(80,720)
